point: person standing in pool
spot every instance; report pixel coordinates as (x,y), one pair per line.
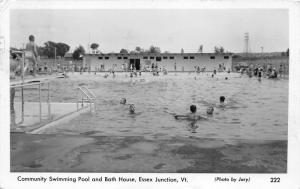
(215,71)
(259,75)
(31,54)
(210,110)
(123,101)
(280,71)
(192,116)
(222,101)
(131,109)
(175,67)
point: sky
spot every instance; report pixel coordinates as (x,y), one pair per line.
(168,29)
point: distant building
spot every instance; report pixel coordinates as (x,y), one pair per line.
(68,56)
(169,61)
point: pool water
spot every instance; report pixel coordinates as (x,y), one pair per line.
(254,109)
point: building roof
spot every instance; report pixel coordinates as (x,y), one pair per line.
(158,54)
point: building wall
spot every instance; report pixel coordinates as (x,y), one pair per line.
(182,64)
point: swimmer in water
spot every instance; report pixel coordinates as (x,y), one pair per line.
(222,102)
(210,110)
(131,109)
(222,99)
(123,101)
(192,116)
(259,75)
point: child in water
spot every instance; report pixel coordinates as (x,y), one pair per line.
(192,116)
(259,75)
(123,101)
(131,109)
(222,99)
(210,110)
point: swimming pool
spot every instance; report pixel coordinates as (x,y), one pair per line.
(254,110)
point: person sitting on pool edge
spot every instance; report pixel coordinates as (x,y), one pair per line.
(190,116)
(123,101)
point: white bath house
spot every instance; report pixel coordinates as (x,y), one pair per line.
(169,61)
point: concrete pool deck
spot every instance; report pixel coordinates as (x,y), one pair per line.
(31,119)
(88,153)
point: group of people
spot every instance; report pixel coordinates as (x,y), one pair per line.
(131,106)
(199,69)
(270,72)
(193,116)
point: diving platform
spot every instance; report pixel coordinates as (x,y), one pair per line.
(19,81)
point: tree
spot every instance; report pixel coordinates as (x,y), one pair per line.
(154,49)
(49,49)
(200,50)
(219,50)
(62,49)
(124,51)
(288,52)
(78,53)
(41,51)
(139,49)
(94,46)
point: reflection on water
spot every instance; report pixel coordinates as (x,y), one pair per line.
(253,109)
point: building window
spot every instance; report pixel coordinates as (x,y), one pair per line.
(100,57)
(185,57)
(212,57)
(145,57)
(125,57)
(158,58)
(226,57)
(119,57)
(151,57)
(192,57)
(165,57)
(171,57)
(106,58)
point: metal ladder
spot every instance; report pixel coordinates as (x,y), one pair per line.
(87,96)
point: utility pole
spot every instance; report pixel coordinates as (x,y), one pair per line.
(55,56)
(246,43)
(89,46)
(262,49)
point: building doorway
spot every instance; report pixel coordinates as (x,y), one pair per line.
(134,64)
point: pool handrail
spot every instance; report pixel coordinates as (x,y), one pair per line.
(39,83)
(89,91)
(91,100)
